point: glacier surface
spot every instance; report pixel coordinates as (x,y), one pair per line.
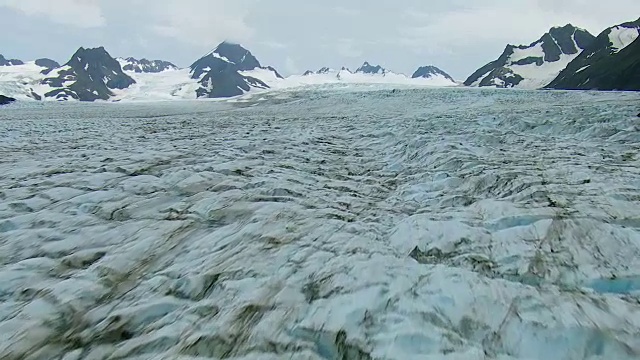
(359,223)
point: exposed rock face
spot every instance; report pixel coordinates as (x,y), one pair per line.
(10,62)
(90,75)
(367,68)
(47,63)
(534,65)
(612,62)
(146,66)
(4,100)
(323,70)
(430,72)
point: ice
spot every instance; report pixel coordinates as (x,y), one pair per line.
(536,76)
(621,37)
(339,221)
(535,51)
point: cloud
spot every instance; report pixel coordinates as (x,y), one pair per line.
(201,21)
(347,48)
(273,44)
(291,66)
(80,13)
(344,11)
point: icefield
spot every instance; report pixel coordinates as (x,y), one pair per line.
(360,223)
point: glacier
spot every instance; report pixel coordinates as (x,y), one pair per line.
(359,222)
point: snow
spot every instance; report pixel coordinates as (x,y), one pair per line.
(346,78)
(520,54)
(536,76)
(621,37)
(582,68)
(218,56)
(19,80)
(167,85)
(432,223)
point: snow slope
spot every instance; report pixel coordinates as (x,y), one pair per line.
(323,225)
(621,37)
(166,85)
(21,81)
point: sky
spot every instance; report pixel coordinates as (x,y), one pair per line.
(458,36)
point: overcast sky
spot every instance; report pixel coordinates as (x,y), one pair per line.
(458,36)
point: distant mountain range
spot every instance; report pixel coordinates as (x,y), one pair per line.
(565,57)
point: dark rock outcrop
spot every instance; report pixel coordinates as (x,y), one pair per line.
(146,66)
(4,100)
(10,62)
(323,70)
(47,63)
(603,66)
(367,68)
(90,74)
(503,72)
(218,72)
(430,71)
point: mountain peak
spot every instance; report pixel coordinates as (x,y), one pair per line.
(9,62)
(611,62)
(92,72)
(367,68)
(236,54)
(430,71)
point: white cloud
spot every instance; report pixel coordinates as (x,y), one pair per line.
(291,66)
(347,48)
(200,21)
(80,13)
(341,10)
(514,22)
(273,44)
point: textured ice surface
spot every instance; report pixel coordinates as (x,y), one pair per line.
(334,224)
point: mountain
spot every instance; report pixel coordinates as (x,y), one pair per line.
(4,100)
(47,63)
(612,62)
(324,70)
(145,66)
(90,75)
(10,62)
(367,68)
(535,65)
(229,70)
(428,72)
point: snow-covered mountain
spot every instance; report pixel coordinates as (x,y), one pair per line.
(9,62)
(229,70)
(533,66)
(612,62)
(367,68)
(323,70)
(370,74)
(431,72)
(90,74)
(145,66)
